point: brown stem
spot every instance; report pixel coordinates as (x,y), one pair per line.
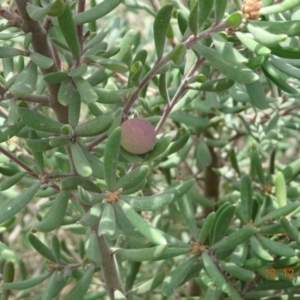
(19,162)
(40,45)
(79,28)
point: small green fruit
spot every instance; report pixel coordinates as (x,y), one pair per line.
(138,136)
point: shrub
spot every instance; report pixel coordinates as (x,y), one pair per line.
(211,212)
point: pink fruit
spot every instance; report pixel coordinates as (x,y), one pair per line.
(138,136)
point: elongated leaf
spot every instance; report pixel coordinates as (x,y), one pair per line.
(107,224)
(82,286)
(205,8)
(9,182)
(25,81)
(193,16)
(214,273)
(279,7)
(41,247)
(42,61)
(14,206)
(257,95)
(276,247)
(160,28)
(9,52)
(148,203)
(38,121)
(264,37)
(92,216)
(81,163)
(95,126)
(96,12)
(142,254)
(207,227)
(72,182)
(277,213)
(236,72)
(85,90)
(110,161)
(226,50)
(220,8)
(175,278)
(280,189)
(141,225)
(56,213)
(74,109)
(222,223)
(259,250)
(26,284)
(93,253)
(291,170)
(246,197)
(68,29)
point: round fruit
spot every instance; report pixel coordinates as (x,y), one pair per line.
(138,136)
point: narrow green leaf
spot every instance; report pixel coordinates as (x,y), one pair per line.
(276,248)
(203,154)
(141,255)
(288,227)
(159,148)
(72,182)
(252,45)
(176,277)
(96,12)
(194,16)
(66,91)
(256,163)
(110,160)
(40,60)
(148,203)
(220,8)
(160,28)
(41,248)
(180,189)
(236,72)
(280,189)
(149,285)
(222,223)
(125,46)
(285,67)
(205,8)
(82,286)
(26,284)
(38,121)
(227,245)
(25,81)
(246,197)
(214,273)
(74,109)
(95,126)
(68,29)
(177,55)
(141,225)
(257,95)
(9,52)
(259,250)
(85,90)
(9,182)
(56,77)
(291,170)
(216,85)
(237,272)
(226,50)
(92,216)
(37,13)
(107,224)
(186,208)
(15,205)
(279,7)
(132,179)
(79,71)
(277,213)
(207,227)
(93,253)
(55,215)
(182,21)
(264,37)
(81,163)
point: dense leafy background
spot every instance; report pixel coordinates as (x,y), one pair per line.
(212,211)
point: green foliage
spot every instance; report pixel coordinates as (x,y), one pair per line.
(212,207)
